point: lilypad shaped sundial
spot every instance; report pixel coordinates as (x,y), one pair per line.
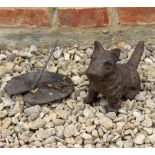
(52,86)
(40,87)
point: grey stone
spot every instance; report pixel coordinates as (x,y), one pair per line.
(111,115)
(57,53)
(38,123)
(89,51)
(25,136)
(33,112)
(59,130)
(44,134)
(7,101)
(22,126)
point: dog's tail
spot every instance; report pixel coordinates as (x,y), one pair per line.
(136,55)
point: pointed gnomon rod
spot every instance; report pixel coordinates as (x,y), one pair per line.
(37,79)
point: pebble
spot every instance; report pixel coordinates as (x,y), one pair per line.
(111,115)
(22,126)
(139,116)
(140,96)
(25,136)
(14,120)
(120,144)
(7,101)
(89,51)
(66,56)
(77,80)
(106,122)
(3,70)
(53,69)
(44,134)
(58,122)
(38,123)
(24,54)
(128,144)
(16,110)
(87,113)
(70,130)
(59,130)
(86,136)
(147,122)
(2,57)
(38,64)
(150,103)
(139,139)
(33,112)
(77,58)
(33,48)
(149,61)
(152,138)
(72,123)
(95,134)
(90,128)
(6,123)
(5,133)
(3,114)
(1,106)
(149,131)
(70,140)
(57,53)
(63,114)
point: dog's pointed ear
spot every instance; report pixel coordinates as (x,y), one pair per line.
(116,52)
(98,47)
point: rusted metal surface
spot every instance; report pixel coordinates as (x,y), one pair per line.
(112,80)
(51,87)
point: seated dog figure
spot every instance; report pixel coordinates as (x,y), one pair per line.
(112,80)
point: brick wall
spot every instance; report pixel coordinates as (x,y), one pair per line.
(74,17)
(47,20)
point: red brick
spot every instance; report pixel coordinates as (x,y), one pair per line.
(29,17)
(83,17)
(136,15)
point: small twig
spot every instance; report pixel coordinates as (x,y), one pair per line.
(37,79)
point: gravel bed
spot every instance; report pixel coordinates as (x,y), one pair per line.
(72,123)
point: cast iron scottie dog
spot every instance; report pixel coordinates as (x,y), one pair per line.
(112,80)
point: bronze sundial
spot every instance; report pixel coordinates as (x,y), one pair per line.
(39,87)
